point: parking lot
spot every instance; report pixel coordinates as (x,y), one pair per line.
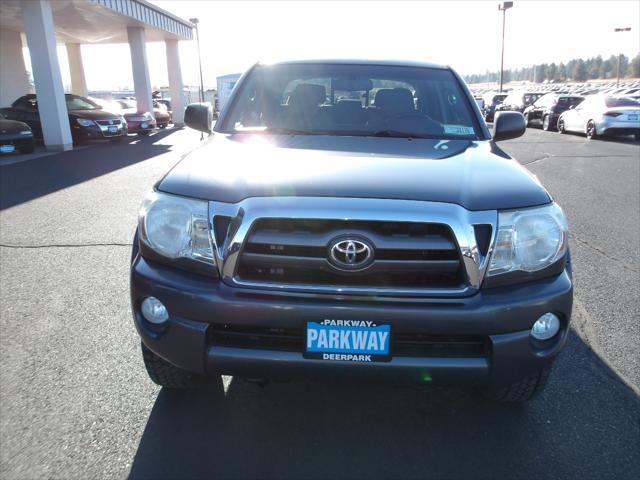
(76,402)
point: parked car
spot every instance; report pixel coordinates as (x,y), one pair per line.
(138,122)
(603,115)
(547,109)
(376,238)
(87,119)
(14,136)
(491,102)
(518,100)
(162,115)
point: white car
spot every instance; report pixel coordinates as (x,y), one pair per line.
(603,115)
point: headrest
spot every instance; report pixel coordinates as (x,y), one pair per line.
(349,105)
(308,94)
(395,100)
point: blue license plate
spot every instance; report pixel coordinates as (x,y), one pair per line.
(348,341)
(632,117)
(7,148)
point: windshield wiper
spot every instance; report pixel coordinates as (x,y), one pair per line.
(401,134)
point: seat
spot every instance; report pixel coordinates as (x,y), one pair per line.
(349,112)
(303,108)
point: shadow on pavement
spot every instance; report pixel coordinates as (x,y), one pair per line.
(24,181)
(584,426)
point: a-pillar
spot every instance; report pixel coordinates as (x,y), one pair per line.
(76,69)
(140,69)
(52,107)
(175,82)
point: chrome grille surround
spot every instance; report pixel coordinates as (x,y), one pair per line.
(460,220)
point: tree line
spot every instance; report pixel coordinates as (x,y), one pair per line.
(576,70)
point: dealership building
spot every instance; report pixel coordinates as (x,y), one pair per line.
(42,25)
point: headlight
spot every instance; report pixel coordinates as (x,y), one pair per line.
(529,240)
(84,122)
(176,227)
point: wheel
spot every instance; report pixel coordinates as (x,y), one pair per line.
(167,375)
(162,125)
(522,390)
(561,128)
(546,123)
(144,133)
(27,148)
(591,130)
(526,119)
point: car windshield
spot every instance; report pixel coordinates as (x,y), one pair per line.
(363,100)
(78,103)
(614,102)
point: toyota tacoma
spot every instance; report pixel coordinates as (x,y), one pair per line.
(352,219)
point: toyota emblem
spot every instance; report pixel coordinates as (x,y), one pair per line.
(350,253)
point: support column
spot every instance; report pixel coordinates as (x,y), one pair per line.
(140,69)
(175,82)
(76,69)
(41,39)
(14,81)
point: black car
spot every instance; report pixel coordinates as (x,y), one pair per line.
(491,102)
(352,219)
(86,118)
(14,136)
(547,109)
(518,100)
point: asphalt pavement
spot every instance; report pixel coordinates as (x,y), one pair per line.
(75,401)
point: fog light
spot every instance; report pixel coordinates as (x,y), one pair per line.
(154,311)
(545,327)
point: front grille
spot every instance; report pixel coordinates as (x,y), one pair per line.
(106,123)
(402,344)
(406,254)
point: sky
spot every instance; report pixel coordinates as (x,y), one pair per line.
(463,34)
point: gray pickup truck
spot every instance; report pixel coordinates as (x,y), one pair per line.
(352,219)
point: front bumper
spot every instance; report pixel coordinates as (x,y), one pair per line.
(502,315)
(98,131)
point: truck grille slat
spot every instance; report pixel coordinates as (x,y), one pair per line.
(402,344)
(296,252)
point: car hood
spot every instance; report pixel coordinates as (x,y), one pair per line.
(475,175)
(12,126)
(93,114)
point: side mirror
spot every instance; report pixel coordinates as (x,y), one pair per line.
(508,125)
(199,116)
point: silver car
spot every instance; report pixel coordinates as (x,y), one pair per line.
(603,115)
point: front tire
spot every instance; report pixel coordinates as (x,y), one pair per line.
(521,391)
(546,123)
(167,375)
(591,130)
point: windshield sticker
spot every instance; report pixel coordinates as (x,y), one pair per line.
(459,130)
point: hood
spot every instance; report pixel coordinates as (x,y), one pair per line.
(12,126)
(93,114)
(475,175)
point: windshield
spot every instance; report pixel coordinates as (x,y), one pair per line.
(367,100)
(613,102)
(79,103)
(127,103)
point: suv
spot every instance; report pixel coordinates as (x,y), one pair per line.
(352,219)
(547,109)
(518,100)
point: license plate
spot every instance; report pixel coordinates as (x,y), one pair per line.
(7,148)
(632,117)
(348,341)
(113,129)
(144,125)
